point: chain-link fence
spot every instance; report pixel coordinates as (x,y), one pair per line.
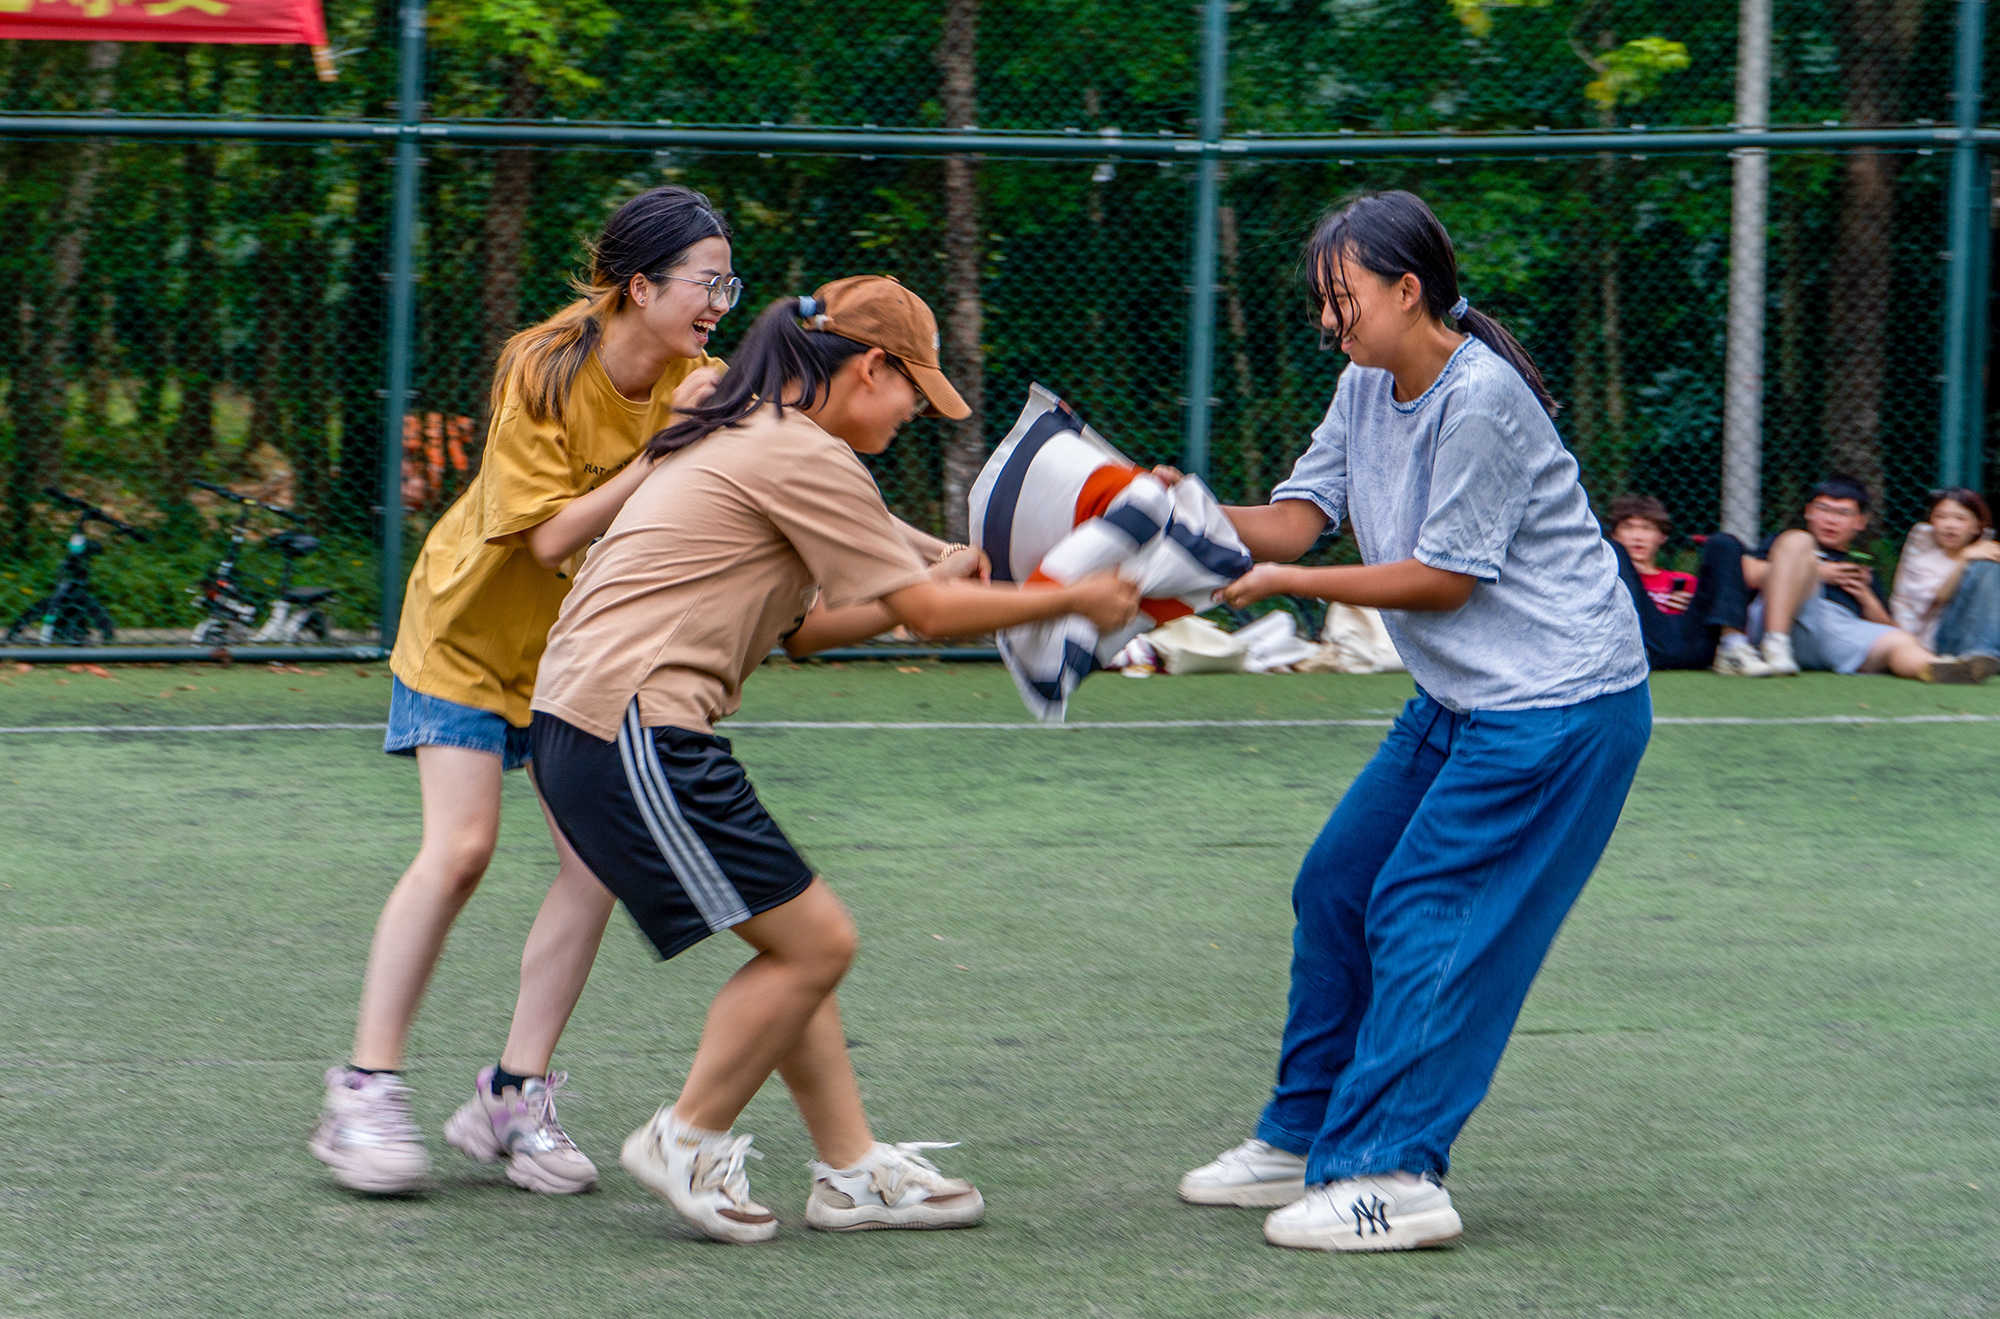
(183,310)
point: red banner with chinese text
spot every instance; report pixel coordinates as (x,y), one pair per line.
(246,22)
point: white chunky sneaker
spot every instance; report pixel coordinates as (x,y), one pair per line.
(700,1173)
(521,1128)
(1366,1213)
(1737,658)
(1254,1175)
(1778,655)
(366,1134)
(892,1186)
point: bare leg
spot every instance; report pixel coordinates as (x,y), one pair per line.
(1901,654)
(762,1012)
(1790,578)
(461,792)
(821,1079)
(556,962)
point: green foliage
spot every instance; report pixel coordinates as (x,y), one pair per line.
(1635,70)
(1477,15)
(551,38)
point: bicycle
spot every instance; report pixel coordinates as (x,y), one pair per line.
(295,612)
(232,608)
(68,614)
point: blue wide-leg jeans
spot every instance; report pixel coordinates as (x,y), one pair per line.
(1425,908)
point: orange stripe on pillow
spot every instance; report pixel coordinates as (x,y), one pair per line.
(1100,488)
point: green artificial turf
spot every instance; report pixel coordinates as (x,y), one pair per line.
(1760,1074)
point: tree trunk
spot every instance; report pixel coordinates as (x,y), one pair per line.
(965,447)
(1791,421)
(197,354)
(1880,35)
(364,329)
(505,225)
(44,317)
(1250,416)
(277,317)
(40,451)
(1614,457)
(197,351)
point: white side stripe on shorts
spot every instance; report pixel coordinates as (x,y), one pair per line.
(721,906)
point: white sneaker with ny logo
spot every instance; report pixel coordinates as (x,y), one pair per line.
(1366,1213)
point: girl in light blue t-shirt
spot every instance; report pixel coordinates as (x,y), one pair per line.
(1432,895)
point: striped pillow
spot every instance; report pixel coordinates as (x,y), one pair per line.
(1056,503)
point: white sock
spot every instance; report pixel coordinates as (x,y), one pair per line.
(675,1122)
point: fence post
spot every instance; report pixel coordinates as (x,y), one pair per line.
(1743,371)
(1207,200)
(1968,232)
(402,309)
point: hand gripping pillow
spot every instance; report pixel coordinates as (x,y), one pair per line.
(1056,503)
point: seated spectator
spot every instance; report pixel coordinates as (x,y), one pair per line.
(1948,581)
(1818,608)
(1688,621)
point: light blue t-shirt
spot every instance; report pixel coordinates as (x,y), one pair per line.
(1472,478)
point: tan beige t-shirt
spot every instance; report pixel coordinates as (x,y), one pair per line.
(714,558)
(479,605)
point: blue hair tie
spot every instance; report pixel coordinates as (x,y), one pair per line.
(1459,308)
(808,306)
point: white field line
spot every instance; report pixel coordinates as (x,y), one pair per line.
(865,726)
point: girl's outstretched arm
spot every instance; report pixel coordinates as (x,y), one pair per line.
(1405,584)
(963,608)
(823,628)
(1280,531)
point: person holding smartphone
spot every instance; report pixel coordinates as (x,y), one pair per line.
(1689,620)
(1821,604)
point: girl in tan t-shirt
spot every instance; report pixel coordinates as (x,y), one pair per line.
(759,501)
(575,399)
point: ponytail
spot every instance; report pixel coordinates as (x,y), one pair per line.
(649,236)
(781,362)
(1394,234)
(1496,336)
(539,364)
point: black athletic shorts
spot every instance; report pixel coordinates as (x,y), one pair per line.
(667,820)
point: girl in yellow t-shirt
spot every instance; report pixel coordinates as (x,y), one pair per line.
(575,399)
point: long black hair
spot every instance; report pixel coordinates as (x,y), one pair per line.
(782,361)
(1394,234)
(649,235)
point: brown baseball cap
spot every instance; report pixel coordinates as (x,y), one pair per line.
(878,311)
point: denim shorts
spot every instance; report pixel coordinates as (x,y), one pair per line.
(417,720)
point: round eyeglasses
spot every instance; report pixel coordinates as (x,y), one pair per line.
(724,291)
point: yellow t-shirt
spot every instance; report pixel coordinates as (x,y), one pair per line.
(479,607)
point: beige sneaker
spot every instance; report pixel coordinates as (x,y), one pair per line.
(700,1173)
(366,1134)
(1737,658)
(893,1186)
(1963,669)
(521,1128)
